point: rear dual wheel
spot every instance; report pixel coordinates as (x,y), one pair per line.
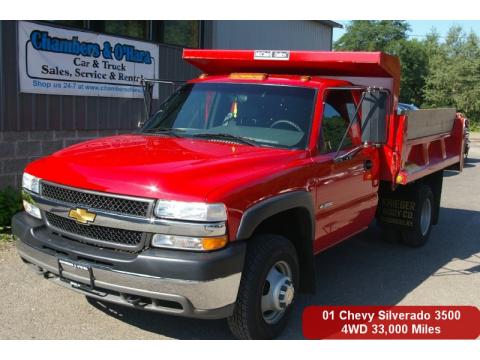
(419,233)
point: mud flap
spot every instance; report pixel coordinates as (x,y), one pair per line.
(398,209)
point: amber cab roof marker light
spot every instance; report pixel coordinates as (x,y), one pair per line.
(248,76)
(305,78)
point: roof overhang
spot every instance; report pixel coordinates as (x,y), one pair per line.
(331,23)
(312,63)
(331,63)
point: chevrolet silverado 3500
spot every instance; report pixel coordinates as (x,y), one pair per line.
(217,205)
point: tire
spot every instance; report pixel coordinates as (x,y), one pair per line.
(419,234)
(390,234)
(265,253)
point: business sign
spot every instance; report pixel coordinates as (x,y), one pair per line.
(68,62)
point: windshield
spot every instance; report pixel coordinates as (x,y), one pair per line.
(261,115)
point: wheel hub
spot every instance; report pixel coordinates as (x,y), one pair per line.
(283,294)
(425,216)
(278,292)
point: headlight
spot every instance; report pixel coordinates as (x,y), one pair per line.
(189,243)
(31,183)
(193,211)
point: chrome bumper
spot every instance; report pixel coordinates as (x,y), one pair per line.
(202,299)
(191,284)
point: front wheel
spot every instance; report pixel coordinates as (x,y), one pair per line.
(267,290)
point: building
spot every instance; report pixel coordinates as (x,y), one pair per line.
(62,82)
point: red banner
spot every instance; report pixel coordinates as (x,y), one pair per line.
(391,322)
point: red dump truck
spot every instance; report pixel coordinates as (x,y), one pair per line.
(217,205)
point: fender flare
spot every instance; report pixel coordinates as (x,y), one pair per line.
(267,208)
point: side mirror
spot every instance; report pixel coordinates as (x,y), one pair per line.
(375,107)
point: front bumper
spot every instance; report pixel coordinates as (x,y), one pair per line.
(200,285)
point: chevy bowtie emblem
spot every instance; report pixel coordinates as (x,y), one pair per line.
(82,216)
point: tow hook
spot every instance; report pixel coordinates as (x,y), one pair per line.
(134,300)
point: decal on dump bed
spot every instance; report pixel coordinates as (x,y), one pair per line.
(271,55)
(397,212)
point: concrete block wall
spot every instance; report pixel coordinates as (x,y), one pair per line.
(18,148)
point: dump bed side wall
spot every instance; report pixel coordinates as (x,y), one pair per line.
(428,122)
(415,150)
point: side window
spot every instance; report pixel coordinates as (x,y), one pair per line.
(338,111)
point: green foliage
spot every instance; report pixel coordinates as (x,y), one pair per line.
(390,36)
(372,35)
(10,204)
(5,236)
(435,73)
(454,74)
(181,32)
(414,70)
(333,129)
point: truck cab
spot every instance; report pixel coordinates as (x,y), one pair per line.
(217,205)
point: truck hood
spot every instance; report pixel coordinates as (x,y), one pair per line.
(158,166)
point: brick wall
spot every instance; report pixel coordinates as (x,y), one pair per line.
(18,148)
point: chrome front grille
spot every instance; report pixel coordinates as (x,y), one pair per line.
(95,201)
(101,233)
(112,221)
(98,235)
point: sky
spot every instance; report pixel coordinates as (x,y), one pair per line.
(422,27)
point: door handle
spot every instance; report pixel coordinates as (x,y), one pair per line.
(367,165)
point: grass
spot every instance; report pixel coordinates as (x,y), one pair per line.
(475,126)
(6,235)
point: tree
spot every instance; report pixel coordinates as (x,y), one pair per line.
(467,70)
(390,36)
(372,35)
(434,73)
(440,80)
(414,69)
(454,73)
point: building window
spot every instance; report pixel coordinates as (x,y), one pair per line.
(72,23)
(185,33)
(131,28)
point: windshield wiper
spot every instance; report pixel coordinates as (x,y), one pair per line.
(224,136)
(169,131)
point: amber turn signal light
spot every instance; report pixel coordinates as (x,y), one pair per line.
(214,243)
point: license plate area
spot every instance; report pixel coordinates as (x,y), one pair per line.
(78,274)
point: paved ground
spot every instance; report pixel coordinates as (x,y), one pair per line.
(362,271)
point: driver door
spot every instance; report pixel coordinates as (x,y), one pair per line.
(346,191)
